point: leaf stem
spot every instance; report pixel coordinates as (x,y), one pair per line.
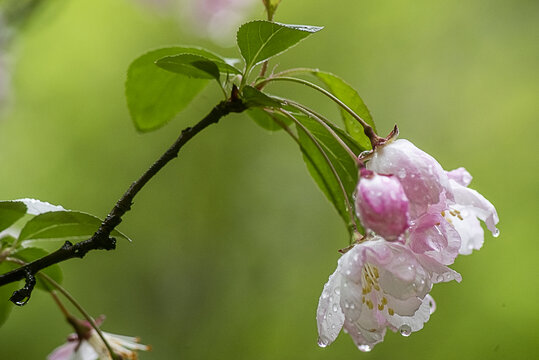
(368,130)
(328,161)
(324,122)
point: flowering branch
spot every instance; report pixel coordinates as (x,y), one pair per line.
(101,240)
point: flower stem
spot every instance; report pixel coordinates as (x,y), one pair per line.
(324,122)
(353,220)
(367,129)
(79,307)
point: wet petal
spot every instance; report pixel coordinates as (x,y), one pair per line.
(364,339)
(476,203)
(329,316)
(470,231)
(421,176)
(382,205)
(408,324)
(461,176)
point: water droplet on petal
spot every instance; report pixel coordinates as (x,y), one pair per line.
(325,295)
(432,305)
(335,308)
(405,330)
(337,291)
(496,233)
(364,348)
(401,173)
(439,278)
(322,342)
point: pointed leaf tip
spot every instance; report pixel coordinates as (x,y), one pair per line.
(260,40)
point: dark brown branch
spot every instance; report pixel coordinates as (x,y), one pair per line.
(102,240)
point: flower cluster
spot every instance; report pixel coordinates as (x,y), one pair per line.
(418,218)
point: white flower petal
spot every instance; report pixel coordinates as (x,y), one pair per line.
(329,315)
(363,338)
(86,352)
(460,175)
(407,324)
(438,272)
(469,228)
(475,202)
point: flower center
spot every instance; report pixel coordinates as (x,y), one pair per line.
(451,214)
(370,276)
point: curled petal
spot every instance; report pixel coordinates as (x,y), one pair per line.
(409,324)
(460,176)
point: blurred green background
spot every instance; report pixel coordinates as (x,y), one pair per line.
(233,241)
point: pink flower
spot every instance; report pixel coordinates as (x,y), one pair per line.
(382,205)
(377,285)
(422,177)
(432,235)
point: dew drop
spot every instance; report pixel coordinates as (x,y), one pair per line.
(401,173)
(496,233)
(335,308)
(405,330)
(439,278)
(322,342)
(337,291)
(364,348)
(325,295)
(432,306)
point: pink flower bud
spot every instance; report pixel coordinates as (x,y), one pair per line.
(382,205)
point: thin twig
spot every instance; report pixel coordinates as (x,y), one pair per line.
(101,239)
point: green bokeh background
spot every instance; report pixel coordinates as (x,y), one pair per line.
(233,241)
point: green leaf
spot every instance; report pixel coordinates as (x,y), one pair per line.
(154,95)
(261,40)
(50,230)
(351,98)
(265,120)
(5,293)
(30,254)
(10,212)
(320,170)
(190,65)
(196,66)
(253,97)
